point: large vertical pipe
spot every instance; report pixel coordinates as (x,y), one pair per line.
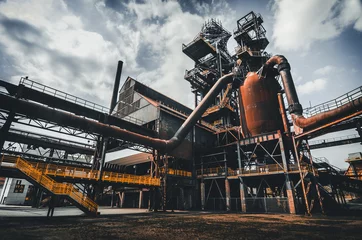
(288,84)
(116,86)
(283,113)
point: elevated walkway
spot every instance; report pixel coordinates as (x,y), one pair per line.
(78,174)
(252,170)
(39,178)
(342,121)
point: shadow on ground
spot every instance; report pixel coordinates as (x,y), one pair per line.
(191,225)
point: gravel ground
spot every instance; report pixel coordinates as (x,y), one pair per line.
(189,225)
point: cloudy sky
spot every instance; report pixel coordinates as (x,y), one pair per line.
(75,45)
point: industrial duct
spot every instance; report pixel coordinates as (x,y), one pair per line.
(296,110)
(31,109)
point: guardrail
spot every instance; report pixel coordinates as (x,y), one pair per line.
(63,95)
(71,98)
(86,173)
(335,139)
(57,188)
(253,169)
(177,172)
(335,103)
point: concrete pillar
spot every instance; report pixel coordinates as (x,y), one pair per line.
(140,202)
(242,195)
(123,196)
(227,195)
(202,190)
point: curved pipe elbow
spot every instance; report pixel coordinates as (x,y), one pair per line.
(288,83)
(185,128)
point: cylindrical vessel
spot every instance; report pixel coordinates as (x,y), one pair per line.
(259,97)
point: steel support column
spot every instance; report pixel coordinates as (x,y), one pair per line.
(123,198)
(242,195)
(182,198)
(241,185)
(298,159)
(227,195)
(288,184)
(202,190)
(140,201)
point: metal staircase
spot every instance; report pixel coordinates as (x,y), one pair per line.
(337,177)
(37,177)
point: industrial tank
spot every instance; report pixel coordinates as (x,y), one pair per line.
(259,100)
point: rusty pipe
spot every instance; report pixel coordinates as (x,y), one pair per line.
(283,113)
(295,109)
(328,116)
(288,84)
(198,111)
(34,110)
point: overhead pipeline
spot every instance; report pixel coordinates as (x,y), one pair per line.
(42,112)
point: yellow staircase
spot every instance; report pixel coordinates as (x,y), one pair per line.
(67,172)
(39,176)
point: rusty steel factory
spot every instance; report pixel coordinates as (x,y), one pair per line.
(244,148)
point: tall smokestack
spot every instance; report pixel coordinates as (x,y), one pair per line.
(116,87)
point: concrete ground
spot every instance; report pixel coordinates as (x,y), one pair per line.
(26,211)
(27,223)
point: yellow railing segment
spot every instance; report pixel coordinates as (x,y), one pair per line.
(84,173)
(130,179)
(177,172)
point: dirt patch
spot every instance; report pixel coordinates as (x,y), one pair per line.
(175,226)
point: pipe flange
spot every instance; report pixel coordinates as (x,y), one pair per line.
(295,108)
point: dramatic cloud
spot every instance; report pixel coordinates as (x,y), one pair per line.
(75,45)
(324,70)
(312,86)
(300,23)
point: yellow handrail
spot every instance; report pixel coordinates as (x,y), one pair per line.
(177,172)
(84,173)
(53,186)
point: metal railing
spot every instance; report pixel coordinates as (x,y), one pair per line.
(335,139)
(51,138)
(71,98)
(253,169)
(215,171)
(130,179)
(177,172)
(333,104)
(57,188)
(86,173)
(62,95)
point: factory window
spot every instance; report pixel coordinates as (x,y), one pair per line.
(19,188)
(127,84)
